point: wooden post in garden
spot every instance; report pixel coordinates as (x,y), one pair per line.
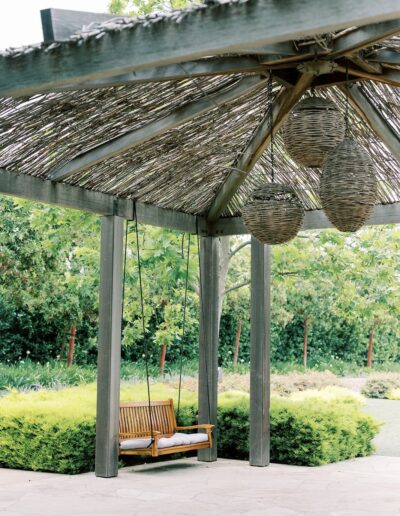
(370,348)
(237,343)
(71,346)
(209,338)
(109,350)
(305,342)
(162,358)
(260,353)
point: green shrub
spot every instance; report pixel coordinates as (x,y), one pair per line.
(55,430)
(379,385)
(285,384)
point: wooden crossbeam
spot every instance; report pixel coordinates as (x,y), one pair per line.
(177,117)
(316,219)
(47,192)
(255,148)
(363,37)
(200,33)
(374,119)
(224,65)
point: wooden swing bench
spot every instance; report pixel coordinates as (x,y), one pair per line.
(136,437)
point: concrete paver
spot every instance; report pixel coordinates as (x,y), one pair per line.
(365,486)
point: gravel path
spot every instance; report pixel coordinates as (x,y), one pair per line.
(387,411)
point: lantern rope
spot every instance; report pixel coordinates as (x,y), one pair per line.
(346,114)
(271,126)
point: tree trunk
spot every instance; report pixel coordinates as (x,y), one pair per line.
(71,347)
(305,342)
(162,358)
(237,343)
(370,348)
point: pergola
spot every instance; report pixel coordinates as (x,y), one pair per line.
(165,116)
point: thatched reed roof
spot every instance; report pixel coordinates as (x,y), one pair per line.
(184,168)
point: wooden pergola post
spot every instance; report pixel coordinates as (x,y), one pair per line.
(209,338)
(109,350)
(260,353)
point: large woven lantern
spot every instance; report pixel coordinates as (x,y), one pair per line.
(348,187)
(313,129)
(273,214)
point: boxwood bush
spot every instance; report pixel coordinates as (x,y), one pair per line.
(55,430)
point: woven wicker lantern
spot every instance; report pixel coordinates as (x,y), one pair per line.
(348,187)
(312,130)
(273,214)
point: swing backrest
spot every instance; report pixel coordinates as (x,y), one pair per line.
(134,417)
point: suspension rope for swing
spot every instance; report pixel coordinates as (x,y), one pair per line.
(183,322)
(138,435)
(146,350)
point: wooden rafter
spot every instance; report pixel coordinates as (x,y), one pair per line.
(385,57)
(176,118)
(391,77)
(257,145)
(363,37)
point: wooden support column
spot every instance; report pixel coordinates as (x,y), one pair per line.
(260,353)
(209,337)
(109,351)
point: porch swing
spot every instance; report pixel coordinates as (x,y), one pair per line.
(150,428)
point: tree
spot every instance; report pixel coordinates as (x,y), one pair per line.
(141,7)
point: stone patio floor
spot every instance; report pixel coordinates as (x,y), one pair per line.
(365,486)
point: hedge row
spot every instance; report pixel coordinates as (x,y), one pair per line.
(55,431)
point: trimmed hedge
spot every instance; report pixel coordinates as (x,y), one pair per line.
(55,430)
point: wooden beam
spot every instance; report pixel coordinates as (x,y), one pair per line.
(374,119)
(257,145)
(363,37)
(260,353)
(109,355)
(204,67)
(365,65)
(60,24)
(316,219)
(209,339)
(47,192)
(384,56)
(217,29)
(391,77)
(40,190)
(164,218)
(176,118)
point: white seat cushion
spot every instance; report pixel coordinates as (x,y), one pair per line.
(135,444)
(198,438)
(178,439)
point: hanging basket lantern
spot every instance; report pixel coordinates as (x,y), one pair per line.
(313,128)
(273,214)
(348,187)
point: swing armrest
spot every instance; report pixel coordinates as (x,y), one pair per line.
(139,435)
(194,427)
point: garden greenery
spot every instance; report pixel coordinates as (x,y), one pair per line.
(55,430)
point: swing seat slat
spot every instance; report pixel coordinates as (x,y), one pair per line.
(136,436)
